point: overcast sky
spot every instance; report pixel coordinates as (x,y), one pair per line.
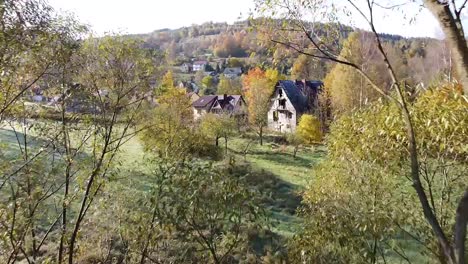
(143,16)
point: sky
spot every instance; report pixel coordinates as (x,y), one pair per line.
(144,16)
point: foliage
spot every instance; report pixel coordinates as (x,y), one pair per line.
(169,131)
(308,129)
(218,126)
(308,68)
(258,87)
(347,88)
(361,205)
(229,86)
(195,212)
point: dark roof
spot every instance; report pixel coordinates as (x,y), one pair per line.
(294,92)
(205,101)
(235,70)
(229,99)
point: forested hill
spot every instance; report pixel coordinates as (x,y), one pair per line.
(215,41)
(224,40)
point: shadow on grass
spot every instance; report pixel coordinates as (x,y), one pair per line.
(283,158)
(9,142)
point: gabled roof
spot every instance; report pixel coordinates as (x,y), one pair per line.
(295,95)
(235,70)
(200,62)
(229,99)
(205,102)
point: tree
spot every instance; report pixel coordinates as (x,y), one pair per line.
(308,68)
(347,88)
(229,86)
(258,88)
(295,12)
(213,217)
(308,129)
(105,65)
(207,82)
(372,198)
(28,53)
(449,15)
(171,53)
(218,126)
(199,75)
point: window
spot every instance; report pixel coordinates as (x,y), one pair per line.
(282,103)
(275,116)
(280,92)
(290,115)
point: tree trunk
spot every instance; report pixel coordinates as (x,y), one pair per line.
(461,220)
(261,136)
(217,141)
(226,144)
(454,35)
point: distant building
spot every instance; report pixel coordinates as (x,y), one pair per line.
(186,68)
(290,100)
(230,104)
(232,72)
(199,65)
(193,96)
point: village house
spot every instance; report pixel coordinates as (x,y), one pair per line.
(232,73)
(289,101)
(218,104)
(186,68)
(199,66)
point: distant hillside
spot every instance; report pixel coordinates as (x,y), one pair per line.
(217,41)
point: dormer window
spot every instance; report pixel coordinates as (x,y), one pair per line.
(282,103)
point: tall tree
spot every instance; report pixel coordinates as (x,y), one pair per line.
(259,86)
(295,13)
(449,14)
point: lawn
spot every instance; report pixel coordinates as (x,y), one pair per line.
(285,176)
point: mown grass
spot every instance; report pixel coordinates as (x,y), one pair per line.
(284,176)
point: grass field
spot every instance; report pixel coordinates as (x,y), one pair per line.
(275,172)
(285,175)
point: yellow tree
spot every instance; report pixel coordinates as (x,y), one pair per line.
(258,87)
(309,130)
(348,89)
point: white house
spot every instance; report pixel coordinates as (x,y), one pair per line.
(289,101)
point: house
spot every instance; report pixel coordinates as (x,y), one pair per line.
(193,96)
(232,72)
(205,104)
(218,104)
(186,68)
(199,65)
(289,101)
(232,104)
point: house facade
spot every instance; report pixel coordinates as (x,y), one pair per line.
(186,68)
(289,101)
(199,66)
(218,104)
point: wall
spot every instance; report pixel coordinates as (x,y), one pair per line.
(287,117)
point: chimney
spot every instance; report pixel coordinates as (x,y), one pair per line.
(224,97)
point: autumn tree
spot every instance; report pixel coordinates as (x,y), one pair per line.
(347,88)
(308,129)
(296,13)
(218,126)
(381,209)
(449,15)
(258,86)
(229,86)
(308,68)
